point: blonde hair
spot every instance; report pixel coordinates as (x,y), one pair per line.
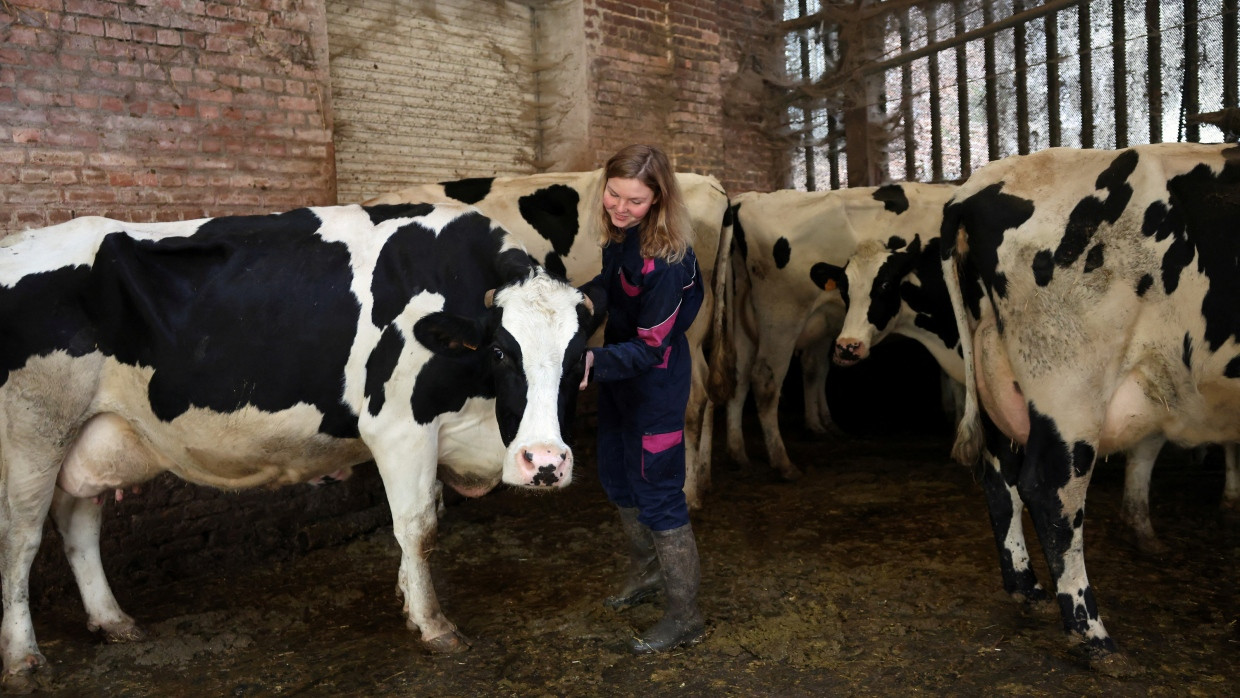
(666,231)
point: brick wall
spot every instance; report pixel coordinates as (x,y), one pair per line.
(662,72)
(161,109)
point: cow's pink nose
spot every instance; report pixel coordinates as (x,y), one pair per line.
(545,465)
(849,351)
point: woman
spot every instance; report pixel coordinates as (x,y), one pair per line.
(654,289)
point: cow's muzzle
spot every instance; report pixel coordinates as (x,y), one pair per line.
(849,351)
(545,465)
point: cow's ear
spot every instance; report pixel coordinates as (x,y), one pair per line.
(596,303)
(826,276)
(448,334)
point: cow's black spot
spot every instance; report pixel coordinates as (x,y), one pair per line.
(380,365)
(896,242)
(1186,353)
(885,289)
(552,211)
(892,197)
(1093,260)
(985,216)
(929,297)
(1043,267)
(1203,208)
(249,310)
(1091,211)
(384,212)
(782,252)
(1233,368)
(555,265)
(470,190)
(1144,284)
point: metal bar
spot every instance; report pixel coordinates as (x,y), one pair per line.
(833,143)
(962,94)
(1054,130)
(1119,57)
(1153,76)
(906,103)
(1022,82)
(992,89)
(963,37)
(807,110)
(1231,85)
(1192,102)
(1087,75)
(936,113)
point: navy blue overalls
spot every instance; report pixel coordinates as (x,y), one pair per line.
(644,373)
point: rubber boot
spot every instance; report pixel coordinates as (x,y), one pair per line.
(644,578)
(681,623)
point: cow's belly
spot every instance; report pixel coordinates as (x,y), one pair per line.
(123,443)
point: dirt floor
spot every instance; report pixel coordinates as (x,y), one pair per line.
(874,575)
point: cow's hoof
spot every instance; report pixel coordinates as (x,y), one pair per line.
(1114,664)
(450,642)
(123,634)
(34,675)
(790,474)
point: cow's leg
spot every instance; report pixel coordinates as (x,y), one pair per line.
(816,343)
(1001,465)
(1136,510)
(744,347)
(407,465)
(699,428)
(1231,482)
(770,367)
(1053,483)
(815,363)
(79,521)
(27,484)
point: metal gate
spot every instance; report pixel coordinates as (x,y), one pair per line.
(931,90)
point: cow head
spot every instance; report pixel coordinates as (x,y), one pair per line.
(531,342)
(871,283)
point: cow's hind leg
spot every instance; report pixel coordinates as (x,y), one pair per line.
(1000,469)
(79,521)
(1053,483)
(1231,482)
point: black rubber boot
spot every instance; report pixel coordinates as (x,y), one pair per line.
(644,577)
(681,623)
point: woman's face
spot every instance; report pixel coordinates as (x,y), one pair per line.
(627,201)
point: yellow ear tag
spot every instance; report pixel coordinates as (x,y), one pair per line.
(829,285)
(469,346)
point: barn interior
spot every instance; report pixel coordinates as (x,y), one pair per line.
(874,574)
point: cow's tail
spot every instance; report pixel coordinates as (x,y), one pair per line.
(968,444)
(721,384)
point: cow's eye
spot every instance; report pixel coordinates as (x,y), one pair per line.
(497,354)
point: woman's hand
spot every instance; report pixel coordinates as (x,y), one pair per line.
(585,377)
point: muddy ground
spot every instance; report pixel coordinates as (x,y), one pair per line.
(875,575)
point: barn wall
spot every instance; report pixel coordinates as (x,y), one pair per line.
(430,91)
(151,111)
(668,72)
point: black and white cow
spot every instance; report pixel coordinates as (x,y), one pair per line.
(547,212)
(268,350)
(1101,295)
(777,310)
(897,287)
